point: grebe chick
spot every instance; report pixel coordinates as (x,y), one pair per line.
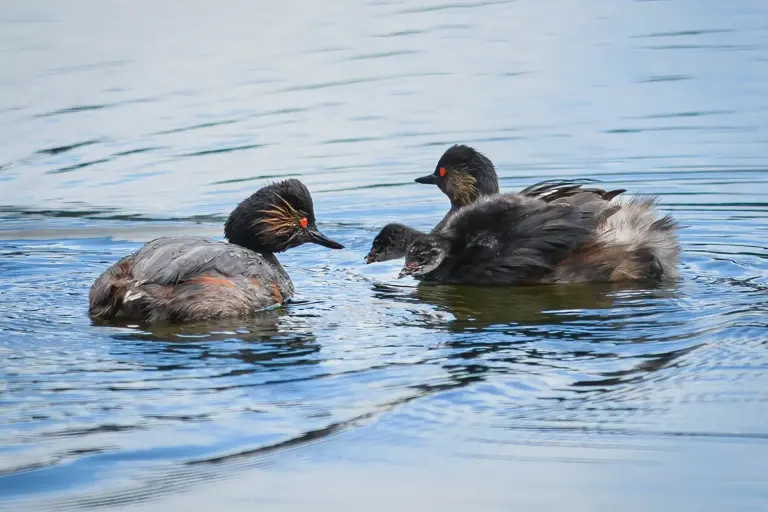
(391,242)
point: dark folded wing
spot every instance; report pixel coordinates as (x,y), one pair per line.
(551,190)
(522,243)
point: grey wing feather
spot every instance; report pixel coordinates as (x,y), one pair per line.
(552,190)
(172,260)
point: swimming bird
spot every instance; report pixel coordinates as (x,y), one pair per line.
(182,279)
(464,175)
(563,234)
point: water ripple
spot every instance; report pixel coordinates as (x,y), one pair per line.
(599,391)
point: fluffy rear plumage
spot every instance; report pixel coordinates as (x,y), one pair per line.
(633,243)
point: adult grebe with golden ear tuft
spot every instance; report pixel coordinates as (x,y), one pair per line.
(182,279)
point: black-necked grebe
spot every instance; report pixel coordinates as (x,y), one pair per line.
(464,174)
(181,279)
(578,236)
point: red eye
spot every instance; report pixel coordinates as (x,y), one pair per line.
(442,171)
(304,222)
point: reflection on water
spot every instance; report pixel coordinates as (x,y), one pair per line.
(259,328)
(483,307)
(124,124)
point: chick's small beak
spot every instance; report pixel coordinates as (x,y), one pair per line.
(316,237)
(429,179)
(408,270)
(370,258)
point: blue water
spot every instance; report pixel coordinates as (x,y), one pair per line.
(123,122)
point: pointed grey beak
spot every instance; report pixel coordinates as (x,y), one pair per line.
(429,179)
(316,237)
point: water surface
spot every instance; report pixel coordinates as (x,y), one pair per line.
(120,123)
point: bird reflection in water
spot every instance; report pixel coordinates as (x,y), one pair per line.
(257,340)
(476,308)
(579,321)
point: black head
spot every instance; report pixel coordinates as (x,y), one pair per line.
(463,174)
(275,218)
(424,255)
(391,242)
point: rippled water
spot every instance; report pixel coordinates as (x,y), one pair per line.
(120,123)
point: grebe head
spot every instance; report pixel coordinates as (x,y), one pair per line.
(277,217)
(424,255)
(463,174)
(391,242)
